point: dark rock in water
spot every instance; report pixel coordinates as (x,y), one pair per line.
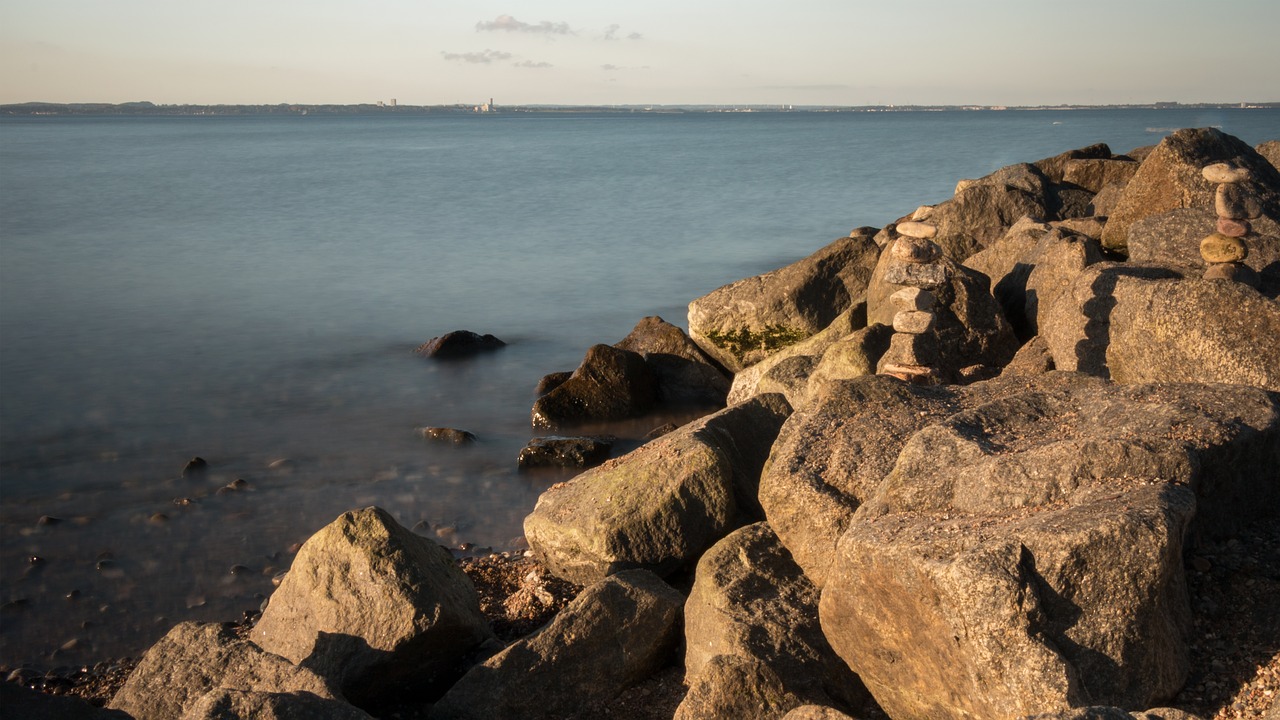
(194,466)
(48,520)
(17,701)
(552,381)
(449,435)
(686,376)
(616,633)
(569,452)
(379,611)
(610,384)
(194,659)
(458,344)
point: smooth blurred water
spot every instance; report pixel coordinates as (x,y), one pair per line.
(250,289)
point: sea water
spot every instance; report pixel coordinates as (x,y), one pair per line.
(249,290)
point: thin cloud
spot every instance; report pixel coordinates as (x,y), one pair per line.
(635,36)
(485,57)
(507,23)
(532,64)
(612,33)
(613,68)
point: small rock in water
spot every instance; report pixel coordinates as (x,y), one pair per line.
(1225,173)
(1233,228)
(284,465)
(458,344)
(194,466)
(278,578)
(73,595)
(35,560)
(450,435)
(659,431)
(238,484)
(572,452)
(1218,248)
(159,518)
(239,570)
(182,501)
(48,520)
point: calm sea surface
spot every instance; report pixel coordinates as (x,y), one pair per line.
(250,290)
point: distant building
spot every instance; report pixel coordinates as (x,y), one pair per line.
(485,108)
(393,102)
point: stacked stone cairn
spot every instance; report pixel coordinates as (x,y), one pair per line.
(1224,251)
(913,349)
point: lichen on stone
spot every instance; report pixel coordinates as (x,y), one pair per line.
(741,341)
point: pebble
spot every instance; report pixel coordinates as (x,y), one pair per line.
(913,298)
(1237,272)
(239,570)
(159,518)
(920,276)
(1225,173)
(1236,202)
(1219,248)
(913,322)
(1233,228)
(182,501)
(919,230)
(917,251)
(48,520)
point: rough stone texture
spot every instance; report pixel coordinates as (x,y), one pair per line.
(742,323)
(551,381)
(815,712)
(610,384)
(375,608)
(750,600)
(571,452)
(1093,174)
(1001,259)
(18,701)
(615,634)
(971,328)
(1054,264)
(458,344)
(453,436)
(193,659)
(1088,226)
(685,375)
(1033,358)
(1237,202)
(789,378)
(746,382)
(224,704)
(1271,151)
(660,506)
(1138,324)
(1170,178)
(982,212)
(854,356)
(1107,712)
(1105,202)
(1173,239)
(1218,248)
(1025,555)
(913,322)
(1055,168)
(734,687)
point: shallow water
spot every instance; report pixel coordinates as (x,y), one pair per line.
(249,290)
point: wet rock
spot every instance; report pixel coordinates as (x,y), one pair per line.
(660,506)
(1234,272)
(48,520)
(685,375)
(610,384)
(741,323)
(453,436)
(615,634)
(195,466)
(570,452)
(751,601)
(551,381)
(458,344)
(379,611)
(193,659)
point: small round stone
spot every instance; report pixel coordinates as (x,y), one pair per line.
(1225,173)
(916,251)
(1236,202)
(914,322)
(1233,228)
(1219,248)
(1236,272)
(916,229)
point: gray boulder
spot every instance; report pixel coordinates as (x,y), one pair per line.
(744,322)
(1173,239)
(615,634)
(224,704)
(376,609)
(982,211)
(736,687)
(746,382)
(1137,324)
(660,506)
(1053,264)
(194,659)
(610,384)
(685,375)
(1105,202)
(1025,555)
(1093,174)
(1055,168)
(750,600)
(1170,178)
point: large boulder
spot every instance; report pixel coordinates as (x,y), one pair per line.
(1137,324)
(970,326)
(615,634)
(750,600)
(746,382)
(194,659)
(660,506)
(744,322)
(375,608)
(736,687)
(224,704)
(1173,239)
(1025,555)
(1055,168)
(1170,178)
(1271,151)
(983,210)
(610,384)
(685,375)
(1093,174)
(853,356)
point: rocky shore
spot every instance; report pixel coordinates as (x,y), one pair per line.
(1016,454)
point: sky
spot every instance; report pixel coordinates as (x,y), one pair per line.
(601,52)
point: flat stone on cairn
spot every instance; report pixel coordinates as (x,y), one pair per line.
(1235,204)
(1234,271)
(1233,228)
(914,250)
(1218,248)
(913,298)
(919,230)
(1225,173)
(915,322)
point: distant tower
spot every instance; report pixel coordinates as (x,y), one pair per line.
(393,102)
(491,105)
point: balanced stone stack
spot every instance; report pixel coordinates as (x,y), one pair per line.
(913,349)
(1224,251)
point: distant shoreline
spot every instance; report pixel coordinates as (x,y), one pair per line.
(152,109)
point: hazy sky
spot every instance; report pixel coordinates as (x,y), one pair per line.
(839,52)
